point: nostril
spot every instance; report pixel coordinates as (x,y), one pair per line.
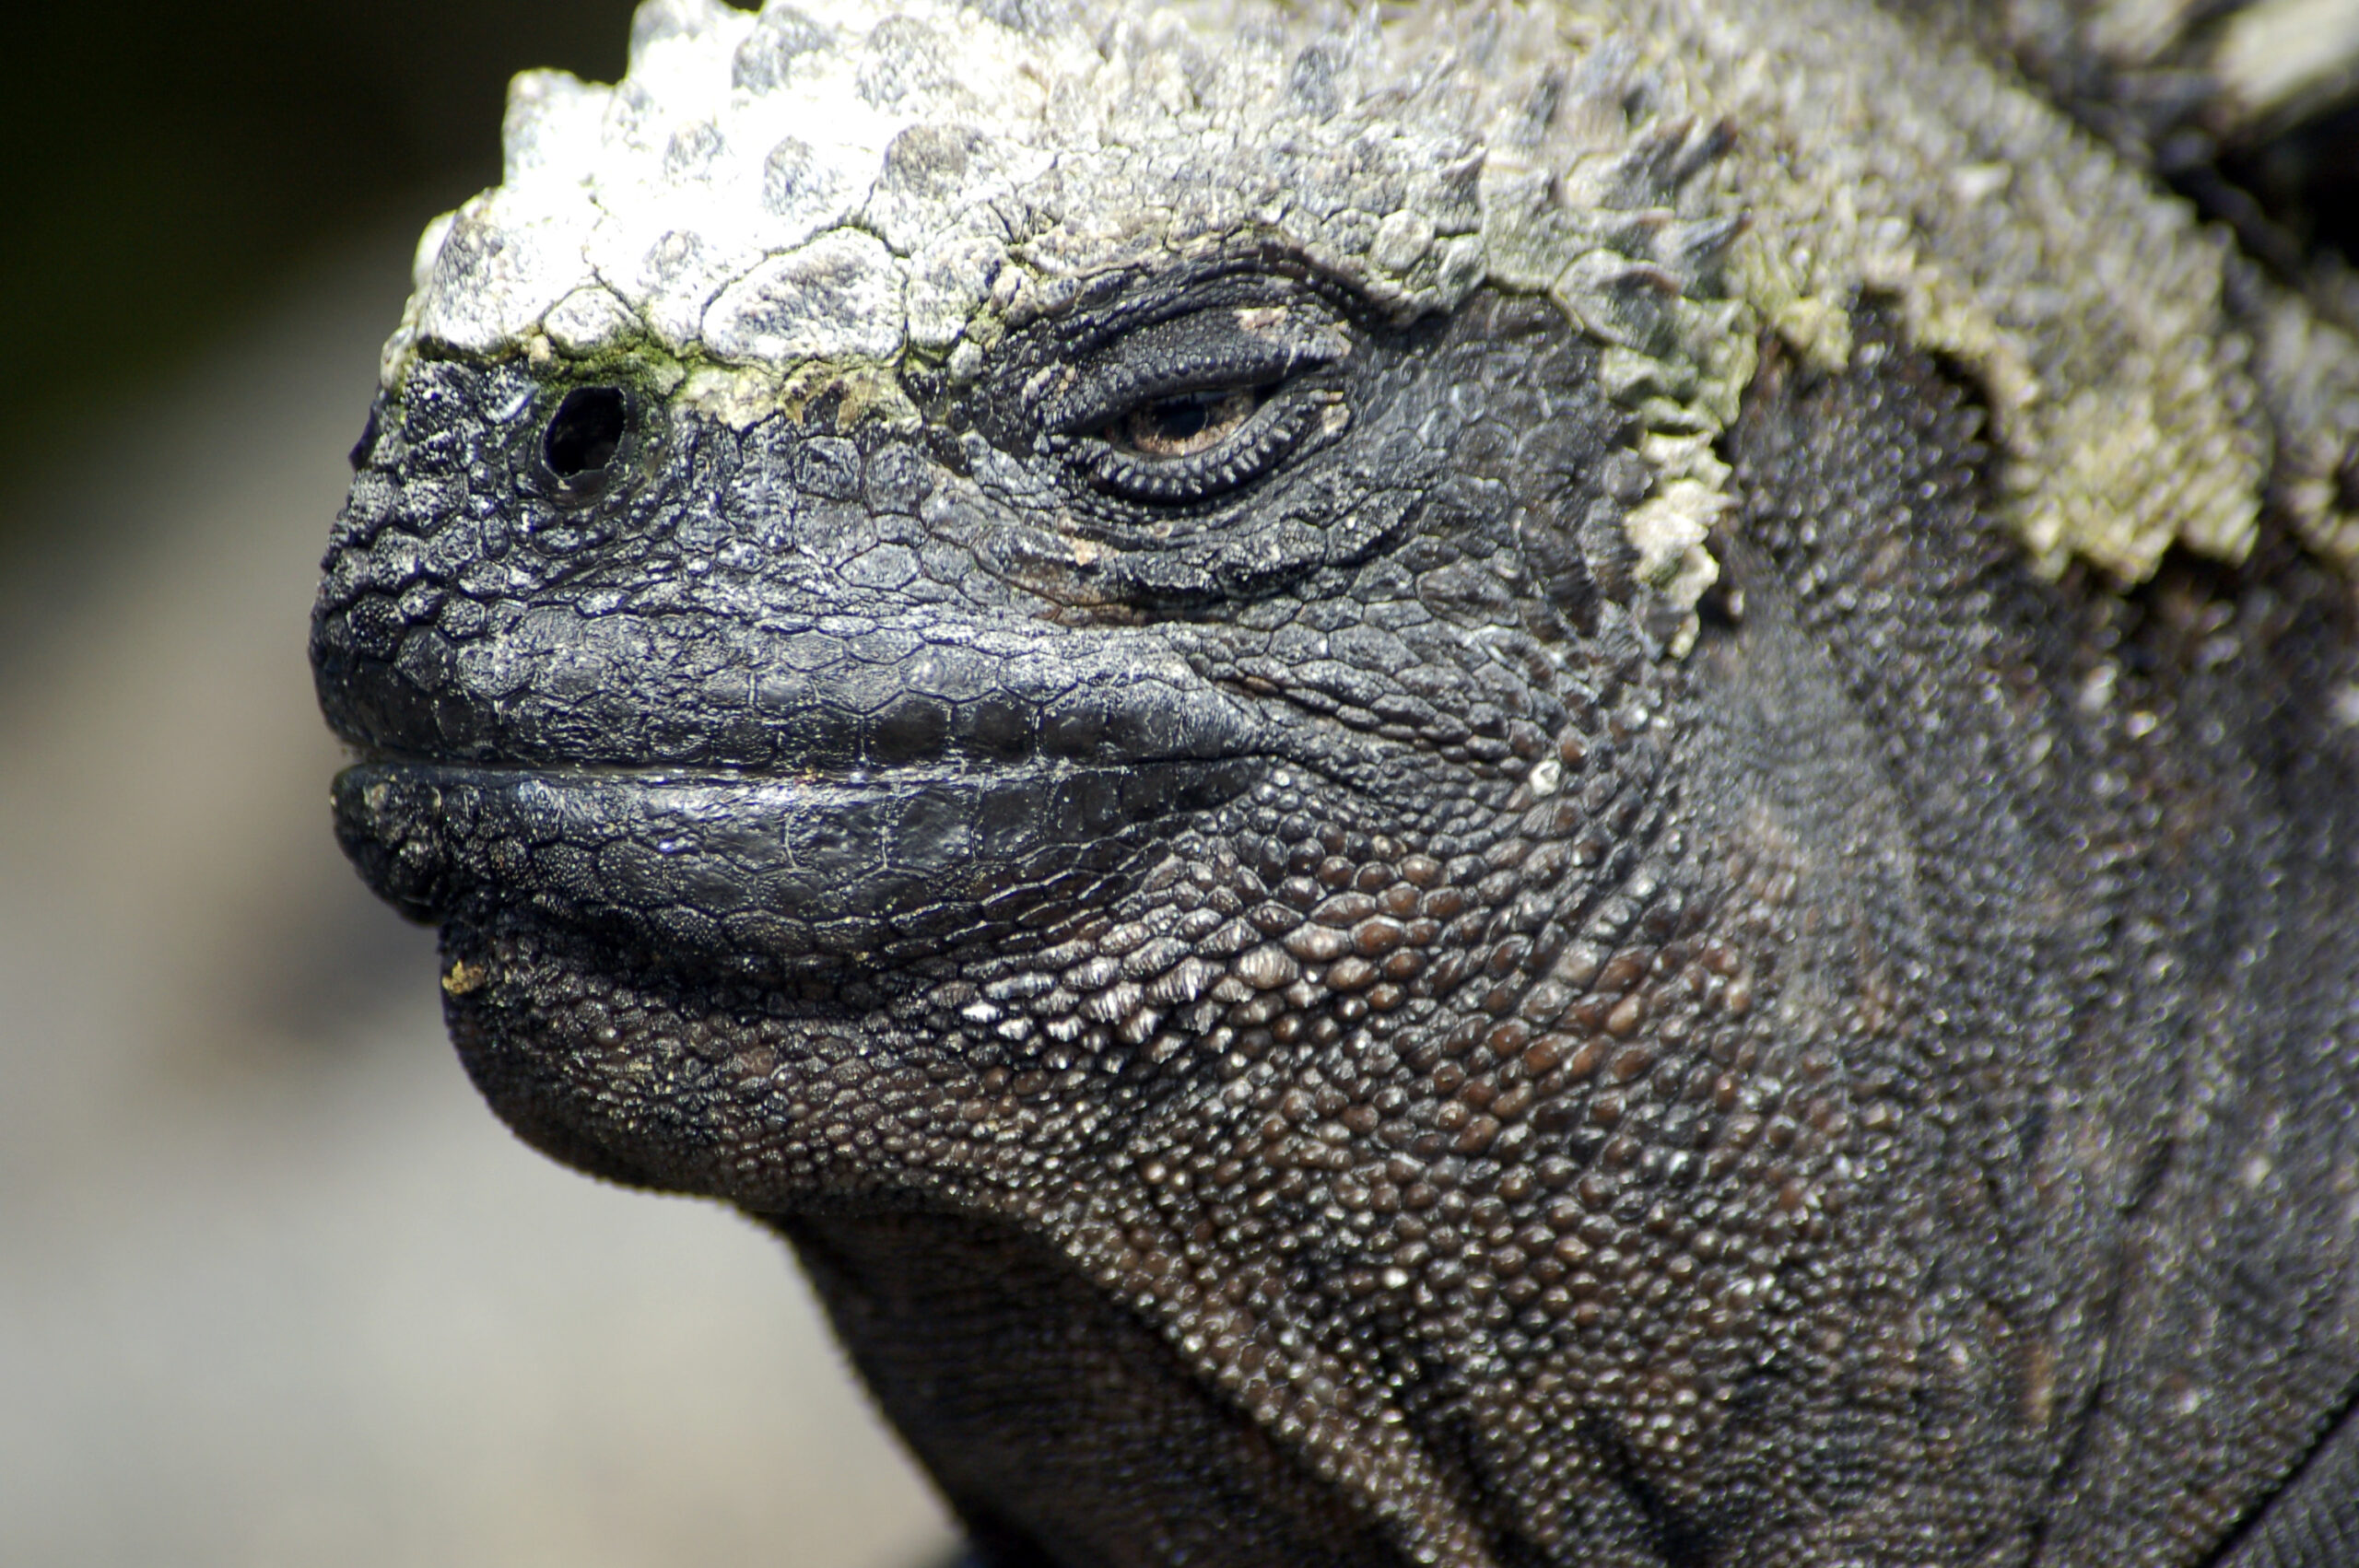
(585,432)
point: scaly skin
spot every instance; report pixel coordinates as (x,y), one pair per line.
(1316,982)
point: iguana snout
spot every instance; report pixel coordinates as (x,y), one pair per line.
(754,697)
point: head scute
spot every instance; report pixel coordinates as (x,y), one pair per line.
(894,165)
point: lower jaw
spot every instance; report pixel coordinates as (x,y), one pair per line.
(767,875)
(761,1094)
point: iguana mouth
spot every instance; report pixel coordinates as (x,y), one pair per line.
(832,793)
(760,871)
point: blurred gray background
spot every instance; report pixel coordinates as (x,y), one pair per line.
(274,1287)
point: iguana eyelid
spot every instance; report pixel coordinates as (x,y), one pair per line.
(1275,352)
(1093,402)
(1272,432)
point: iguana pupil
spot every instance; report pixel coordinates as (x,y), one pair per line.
(1176,426)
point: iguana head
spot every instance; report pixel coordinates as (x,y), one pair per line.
(873,494)
(1084,623)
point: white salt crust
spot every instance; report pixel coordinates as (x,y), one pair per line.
(831,193)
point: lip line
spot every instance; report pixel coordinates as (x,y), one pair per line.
(848,864)
(973,770)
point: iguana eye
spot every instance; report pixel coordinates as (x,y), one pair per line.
(1197,405)
(1199,446)
(1185,425)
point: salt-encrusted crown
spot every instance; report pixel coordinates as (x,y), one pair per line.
(836,191)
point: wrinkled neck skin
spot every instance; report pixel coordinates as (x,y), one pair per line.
(1292,1028)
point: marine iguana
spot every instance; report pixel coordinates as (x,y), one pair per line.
(1471,785)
